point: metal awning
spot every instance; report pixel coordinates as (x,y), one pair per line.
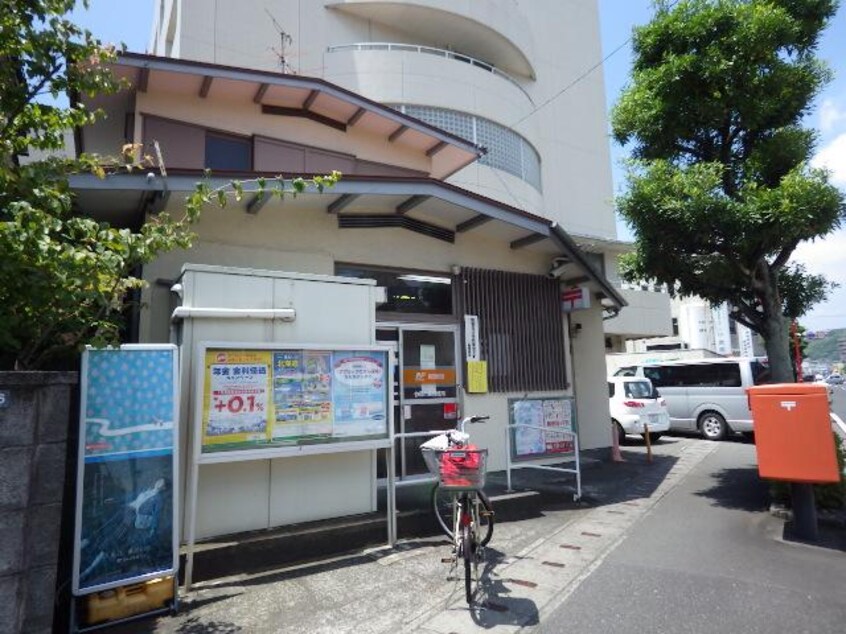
(426,206)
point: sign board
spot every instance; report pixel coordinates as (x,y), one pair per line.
(265,398)
(575,298)
(553,414)
(472,346)
(125,530)
(477,377)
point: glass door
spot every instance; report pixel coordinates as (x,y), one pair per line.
(426,387)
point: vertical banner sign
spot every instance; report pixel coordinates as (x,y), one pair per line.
(472,348)
(125,529)
(540,422)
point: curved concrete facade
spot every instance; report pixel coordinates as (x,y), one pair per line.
(521,65)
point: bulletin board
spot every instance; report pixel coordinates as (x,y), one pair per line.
(543,420)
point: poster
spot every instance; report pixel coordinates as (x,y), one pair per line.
(302,393)
(477,377)
(358,393)
(530,439)
(557,414)
(544,419)
(276,398)
(125,507)
(237,403)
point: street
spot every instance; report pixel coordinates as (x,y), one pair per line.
(838,406)
(710,558)
(685,544)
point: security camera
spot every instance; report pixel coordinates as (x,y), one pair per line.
(151,177)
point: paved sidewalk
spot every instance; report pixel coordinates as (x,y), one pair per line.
(532,565)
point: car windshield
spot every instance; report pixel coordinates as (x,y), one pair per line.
(639,389)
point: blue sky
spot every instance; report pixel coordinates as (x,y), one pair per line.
(130,21)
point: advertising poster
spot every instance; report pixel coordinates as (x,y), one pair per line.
(302,394)
(552,416)
(259,399)
(359,393)
(557,414)
(529,440)
(237,403)
(124,523)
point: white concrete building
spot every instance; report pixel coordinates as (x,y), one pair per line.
(509,76)
(699,326)
(476,182)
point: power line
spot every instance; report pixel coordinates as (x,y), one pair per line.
(581,77)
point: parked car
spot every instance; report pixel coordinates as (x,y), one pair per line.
(636,406)
(834,379)
(705,395)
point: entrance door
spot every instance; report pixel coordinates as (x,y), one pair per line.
(427,383)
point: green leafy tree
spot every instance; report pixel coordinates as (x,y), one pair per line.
(64,277)
(720,191)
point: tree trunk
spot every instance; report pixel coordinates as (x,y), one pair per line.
(777,343)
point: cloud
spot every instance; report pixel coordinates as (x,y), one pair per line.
(830,116)
(833,158)
(826,256)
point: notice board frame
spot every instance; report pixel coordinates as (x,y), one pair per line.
(199,458)
(80,479)
(513,427)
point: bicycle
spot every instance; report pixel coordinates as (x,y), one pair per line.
(462,509)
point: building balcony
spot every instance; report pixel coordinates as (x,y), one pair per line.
(430,50)
(492,30)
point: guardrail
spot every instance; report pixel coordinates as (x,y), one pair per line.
(429,50)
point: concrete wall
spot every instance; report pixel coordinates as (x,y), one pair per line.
(34,423)
(558,38)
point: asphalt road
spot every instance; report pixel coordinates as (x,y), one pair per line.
(709,557)
(838,406)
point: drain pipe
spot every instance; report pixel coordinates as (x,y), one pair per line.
(187,312)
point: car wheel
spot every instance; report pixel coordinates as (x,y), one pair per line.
(712,426)
(655,436)
(621,433)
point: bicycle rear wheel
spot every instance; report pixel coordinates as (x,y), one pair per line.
(445,508)
(468,552)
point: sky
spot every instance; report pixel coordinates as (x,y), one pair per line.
(130,21)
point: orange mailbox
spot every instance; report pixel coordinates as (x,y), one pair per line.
(793,433)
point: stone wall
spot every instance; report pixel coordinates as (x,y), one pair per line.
(36,409)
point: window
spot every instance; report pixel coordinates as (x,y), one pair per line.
(228,153)
(520,328)
(407,292)
(638,389)
(506,150)
(675,326)
(661,376)
(610,389)
(628,370)
(761,373)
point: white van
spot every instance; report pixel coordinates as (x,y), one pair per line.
(705,395)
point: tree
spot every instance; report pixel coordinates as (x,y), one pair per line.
(64,277)
(720,192)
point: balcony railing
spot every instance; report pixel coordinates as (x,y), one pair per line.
(429,50)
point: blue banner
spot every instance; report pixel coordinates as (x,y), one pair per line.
(125,528)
